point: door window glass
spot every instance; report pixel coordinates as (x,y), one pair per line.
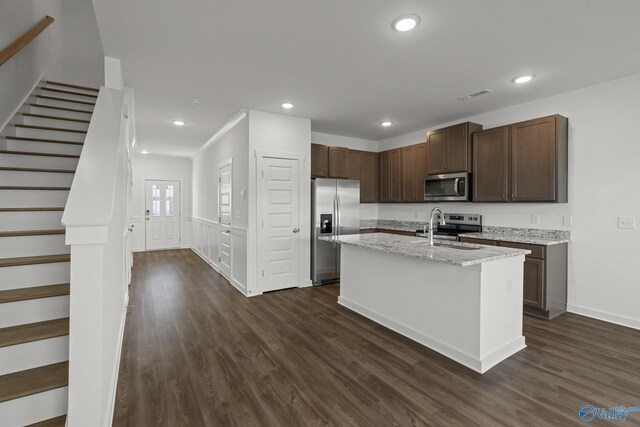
(169,201)
(155,200)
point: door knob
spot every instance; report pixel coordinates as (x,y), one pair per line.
(296,230)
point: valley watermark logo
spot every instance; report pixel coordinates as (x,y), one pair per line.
(589,413)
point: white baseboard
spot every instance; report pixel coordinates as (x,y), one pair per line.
(114,376)
(471,362)
(603,315)
(233,282)
(306,284)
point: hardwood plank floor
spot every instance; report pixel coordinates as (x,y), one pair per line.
(198,353)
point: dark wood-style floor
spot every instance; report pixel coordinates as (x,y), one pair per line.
(198,353)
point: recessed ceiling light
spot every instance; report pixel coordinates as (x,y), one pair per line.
(405,23)
(144,152)
(178,122)
(523,79)
(386,123)
(287,105)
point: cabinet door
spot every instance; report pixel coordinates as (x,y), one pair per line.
(354,166)
(437,152)
(319,161)
(385,176)
(338,160)
(408,193)
(533,292)
(533,160)
(458,148)
(491,165)
(395,184)
(419,171)
(370,180)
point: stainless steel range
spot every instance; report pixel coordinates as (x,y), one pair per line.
(455,224)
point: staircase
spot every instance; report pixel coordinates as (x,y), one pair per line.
(43,145)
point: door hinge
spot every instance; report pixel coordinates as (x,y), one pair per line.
(262,174)
(262,273)
(219,180)
(263,222)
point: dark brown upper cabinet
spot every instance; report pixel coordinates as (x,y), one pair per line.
(522,162)
(363,167)
(319,161)
(449,149)
(491,165)
(414,171)
(391,176)
(539,157)
(338,162)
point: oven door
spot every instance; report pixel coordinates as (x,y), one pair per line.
(451,187)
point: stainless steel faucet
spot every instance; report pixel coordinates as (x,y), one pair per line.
(442,221)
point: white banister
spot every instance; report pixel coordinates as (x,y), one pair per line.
(96,218)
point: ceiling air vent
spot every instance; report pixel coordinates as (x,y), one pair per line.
(475,94)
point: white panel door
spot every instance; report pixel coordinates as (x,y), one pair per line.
(162,214)
(225,181)
(280,224)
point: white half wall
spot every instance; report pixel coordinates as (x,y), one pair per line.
(603,185)
(147,166)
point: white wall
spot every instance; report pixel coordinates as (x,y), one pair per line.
(146,166)
(69,50)
(603,184)
(285,134)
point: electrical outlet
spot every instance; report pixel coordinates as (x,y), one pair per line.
(415,214)
(628,223)
(535,219)
(568,220)
(508,286)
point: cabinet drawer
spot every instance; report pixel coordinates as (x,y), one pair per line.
(537,251)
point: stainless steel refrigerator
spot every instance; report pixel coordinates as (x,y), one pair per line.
(335,211)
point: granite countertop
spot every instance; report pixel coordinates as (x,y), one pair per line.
(530,236)
(418,248)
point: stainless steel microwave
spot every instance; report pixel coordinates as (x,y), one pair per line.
(448,187)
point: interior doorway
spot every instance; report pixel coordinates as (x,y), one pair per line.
(162,214)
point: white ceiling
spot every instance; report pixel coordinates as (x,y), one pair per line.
(343,66)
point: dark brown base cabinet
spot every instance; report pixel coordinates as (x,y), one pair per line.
(522,162)
(545,277)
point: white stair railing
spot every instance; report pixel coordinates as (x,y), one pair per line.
(97,228)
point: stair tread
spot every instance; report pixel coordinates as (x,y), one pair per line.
(22,233)
(69,92)
(46,116)
(30,332)
(54,107)
(52,141)
(93,89)
(55,98)
(31,260)
(51,128)
(32,381)
(60,421)
(39,153)
(34,292)
(15,187)
(12,169)
(33,209)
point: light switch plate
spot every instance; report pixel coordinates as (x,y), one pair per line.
(627,222)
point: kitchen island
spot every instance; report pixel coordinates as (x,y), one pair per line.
(461,300)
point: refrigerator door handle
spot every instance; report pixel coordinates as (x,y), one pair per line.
(338,216)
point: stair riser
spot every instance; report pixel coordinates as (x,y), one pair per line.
(61,113)
(15,221)
(43,147)
(50,134)
(46,92)
(38,121)
(22,161)
(27,276)
(33,354)
(65,104)
(23,246)
(31,311)
(32,198)
(34,408)
(35,179)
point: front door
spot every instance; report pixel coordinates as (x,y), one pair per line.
(279,242)
(225,180)
(162,214)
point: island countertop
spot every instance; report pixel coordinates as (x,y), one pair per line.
(416,247)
